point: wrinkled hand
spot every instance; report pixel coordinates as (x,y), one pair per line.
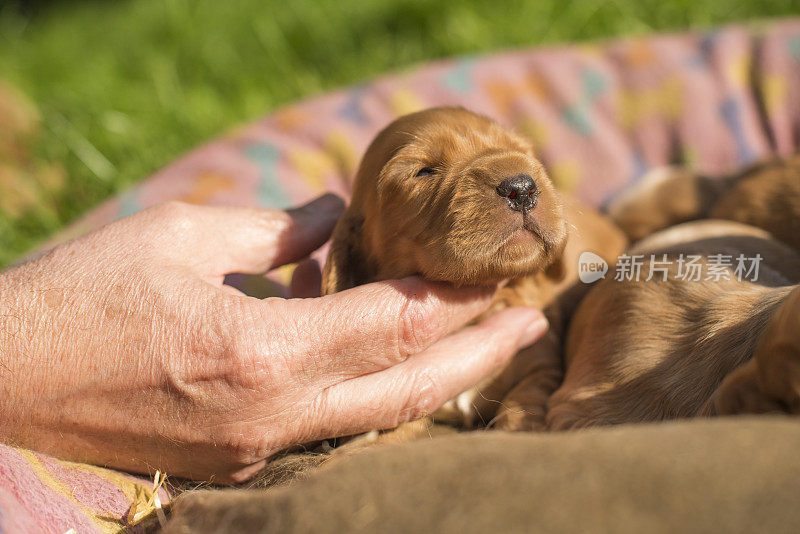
(124,348)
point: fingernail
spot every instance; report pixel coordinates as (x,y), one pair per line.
(534,330)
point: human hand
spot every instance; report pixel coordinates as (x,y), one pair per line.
(124,348)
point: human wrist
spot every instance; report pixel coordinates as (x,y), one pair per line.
(13,371)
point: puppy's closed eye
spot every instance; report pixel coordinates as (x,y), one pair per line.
(425,171)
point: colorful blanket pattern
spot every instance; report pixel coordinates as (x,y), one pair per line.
(39,493)
(599,116)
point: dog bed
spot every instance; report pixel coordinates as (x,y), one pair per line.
(672,477)
(600,116)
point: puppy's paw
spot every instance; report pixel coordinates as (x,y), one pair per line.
(460,411)
(525,406)
(515,417)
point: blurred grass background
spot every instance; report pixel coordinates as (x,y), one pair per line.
(120,88)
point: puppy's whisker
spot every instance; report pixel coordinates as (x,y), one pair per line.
(484,397)
(478,413)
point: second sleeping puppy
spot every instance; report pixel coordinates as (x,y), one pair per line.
(710,323)
(452,196)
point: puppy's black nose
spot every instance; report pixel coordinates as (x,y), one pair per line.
(519,191)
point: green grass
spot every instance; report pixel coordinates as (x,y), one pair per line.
(124,87)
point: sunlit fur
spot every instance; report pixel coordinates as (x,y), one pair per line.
(647,351)
(450,225)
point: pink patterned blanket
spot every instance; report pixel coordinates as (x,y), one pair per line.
(599,115)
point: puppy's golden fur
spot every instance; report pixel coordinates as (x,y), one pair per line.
(652,350)
(766,196)
(426,202)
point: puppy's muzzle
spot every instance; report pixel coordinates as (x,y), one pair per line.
(519,191)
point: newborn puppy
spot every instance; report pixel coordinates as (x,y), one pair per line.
(674,346)
(451,196)
(766,196)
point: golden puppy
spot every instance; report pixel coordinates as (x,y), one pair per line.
(454,197)
(766,196)
(710,341)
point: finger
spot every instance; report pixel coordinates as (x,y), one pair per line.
(221,240)
(306,279)
(230,290)
(420,385)
(375,326)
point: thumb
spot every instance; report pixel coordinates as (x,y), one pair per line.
(306,279)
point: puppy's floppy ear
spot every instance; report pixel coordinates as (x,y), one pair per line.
(346,263)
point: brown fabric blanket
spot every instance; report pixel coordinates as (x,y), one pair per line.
(724,475)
